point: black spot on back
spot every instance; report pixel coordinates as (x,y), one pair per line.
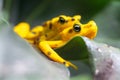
(72,19)
(50,26)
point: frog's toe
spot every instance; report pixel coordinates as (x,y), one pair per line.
(68,64)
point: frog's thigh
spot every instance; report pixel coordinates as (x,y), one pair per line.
(22,29)
(48,51)
(35,32)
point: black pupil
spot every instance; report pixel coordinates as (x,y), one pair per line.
(76,28)
(61,20)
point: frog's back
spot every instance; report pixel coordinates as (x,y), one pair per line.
(53,27)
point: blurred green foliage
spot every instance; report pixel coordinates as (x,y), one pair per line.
(41,10)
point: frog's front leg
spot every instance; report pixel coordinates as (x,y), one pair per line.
(45,47)
(55,44)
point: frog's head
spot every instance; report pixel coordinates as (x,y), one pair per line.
(69,27)
(77,29)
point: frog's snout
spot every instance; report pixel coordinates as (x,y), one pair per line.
(90,29)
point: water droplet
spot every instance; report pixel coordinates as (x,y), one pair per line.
(99,50)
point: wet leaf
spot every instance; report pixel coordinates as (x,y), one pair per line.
(105,59)
(20,61)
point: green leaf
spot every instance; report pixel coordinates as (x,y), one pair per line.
(75,49)
(102,59)
(77,52)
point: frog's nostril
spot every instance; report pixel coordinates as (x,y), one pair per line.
(90,24)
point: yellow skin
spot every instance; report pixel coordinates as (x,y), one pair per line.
(55,33)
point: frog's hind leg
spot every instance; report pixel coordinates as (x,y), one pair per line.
(45,47)
(22,29)
(35,32)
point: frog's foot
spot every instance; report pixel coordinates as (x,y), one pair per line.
(22,29)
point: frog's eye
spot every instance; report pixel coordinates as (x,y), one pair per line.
(76,28)
(62,20)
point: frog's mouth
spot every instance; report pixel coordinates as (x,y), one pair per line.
(89,30)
